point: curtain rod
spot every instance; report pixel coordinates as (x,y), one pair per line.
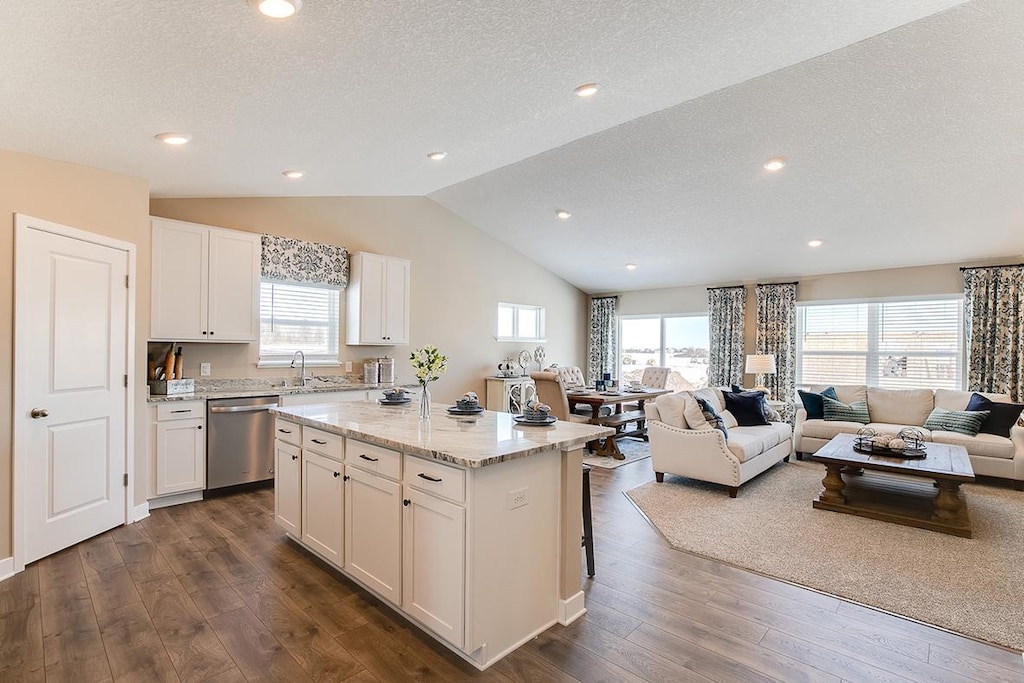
(729,287)
(1009,265)
(773,284)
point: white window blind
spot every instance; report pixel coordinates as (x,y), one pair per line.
(890,344)
(298,317)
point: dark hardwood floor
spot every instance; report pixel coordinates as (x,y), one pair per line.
(212,591)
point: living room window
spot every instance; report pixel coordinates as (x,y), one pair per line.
(678,342)
(889,344)
(518,322)
(297,317)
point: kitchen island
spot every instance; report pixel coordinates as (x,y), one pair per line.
(470,526)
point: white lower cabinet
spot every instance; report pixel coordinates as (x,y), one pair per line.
(434,564)
(323,506)
(178,447)
(288,486)
(373,532)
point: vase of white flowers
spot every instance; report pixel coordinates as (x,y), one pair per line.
(429,365)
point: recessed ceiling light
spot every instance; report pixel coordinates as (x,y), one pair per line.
(562,215)
(815,243)
(776,164)
(293,174)
(586,90)
(173,138)
(630,266)
(437,156)
(277,9)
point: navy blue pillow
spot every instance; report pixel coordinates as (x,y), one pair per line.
(712,416)
(747,407)
(813,404)
(1001,416)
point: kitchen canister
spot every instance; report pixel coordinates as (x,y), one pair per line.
(386,374)
(371,372)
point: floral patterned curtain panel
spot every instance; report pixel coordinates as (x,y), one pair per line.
(603,347)
(726,306)
(776,334)
(293,260)
(994,318)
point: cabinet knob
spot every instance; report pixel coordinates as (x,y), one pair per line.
(204,331)
(211,333)
(345,478)
(406,502)
(199,426)
(295,457)
(337,474)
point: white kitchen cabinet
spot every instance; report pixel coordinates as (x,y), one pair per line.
(323,505)
(288,487)
(377,308)
(373,532)
(509,394)
(180,447)
(205,283)
(434,564)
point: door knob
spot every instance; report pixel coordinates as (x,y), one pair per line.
(39,412)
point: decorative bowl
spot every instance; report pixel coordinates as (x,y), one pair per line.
(536,415)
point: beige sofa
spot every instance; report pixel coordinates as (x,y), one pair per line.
(704,453)
(891,410)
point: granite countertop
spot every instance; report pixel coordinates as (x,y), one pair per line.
(469,441)
(244,388)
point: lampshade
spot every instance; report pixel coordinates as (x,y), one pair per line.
(760,364)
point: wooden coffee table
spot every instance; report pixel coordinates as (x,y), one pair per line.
(867,486)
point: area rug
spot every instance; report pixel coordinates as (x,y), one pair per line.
(633,450)
(970,586)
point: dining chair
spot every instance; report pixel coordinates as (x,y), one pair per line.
(653,378)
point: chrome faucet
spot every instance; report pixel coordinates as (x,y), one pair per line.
(303,379)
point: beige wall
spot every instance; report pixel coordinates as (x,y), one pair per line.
(96,201)
(459,274)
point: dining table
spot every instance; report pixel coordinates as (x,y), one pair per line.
(618,418)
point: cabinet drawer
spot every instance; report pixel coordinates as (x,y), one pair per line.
(383,461)
(433,477)
(183,410)
(289,432)
(324,443)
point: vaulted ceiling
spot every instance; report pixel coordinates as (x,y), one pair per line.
(900,121)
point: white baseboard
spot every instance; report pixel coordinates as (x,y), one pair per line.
(173,499)
(6,568)
(140,512)
(571,609)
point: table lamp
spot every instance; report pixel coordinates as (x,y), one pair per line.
(760,365)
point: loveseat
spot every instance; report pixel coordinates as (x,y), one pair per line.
(890,410)
(683,442)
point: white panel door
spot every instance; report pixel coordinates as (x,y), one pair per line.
(396,310)
(434,564)
(180,266)
(71,312)
(234,286)
(373,532)
(323,506)
(288,487)
(180,456)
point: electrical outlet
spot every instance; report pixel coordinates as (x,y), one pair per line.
(518,498)
(348,366)
(204,369)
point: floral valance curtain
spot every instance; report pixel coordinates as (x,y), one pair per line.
(603,346)
(726,306)
(292,260)
(994,318)
(776,334)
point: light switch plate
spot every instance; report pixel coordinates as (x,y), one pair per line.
(204,369)
(348,366)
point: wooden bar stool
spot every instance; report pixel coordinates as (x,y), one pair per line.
(588,522)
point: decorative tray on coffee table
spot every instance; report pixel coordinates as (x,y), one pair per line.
(907,444)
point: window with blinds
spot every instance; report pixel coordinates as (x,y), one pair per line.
(298,317)
(890,344)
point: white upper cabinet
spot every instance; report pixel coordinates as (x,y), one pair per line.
(205,283)
(378,300)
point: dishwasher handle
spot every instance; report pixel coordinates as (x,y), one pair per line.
(241,409)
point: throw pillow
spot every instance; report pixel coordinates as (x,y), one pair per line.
(728,419)
(961,421)
(746,407)
(812,402)
(692,413)
(671,407)
(1002,416)
(713,418)
(838,411)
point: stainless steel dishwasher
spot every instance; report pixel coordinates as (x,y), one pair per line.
(240,440)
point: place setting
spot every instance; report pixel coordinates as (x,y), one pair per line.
(395,396)
(535,414)
(467,404)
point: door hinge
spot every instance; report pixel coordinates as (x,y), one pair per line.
(126,480)
(126,381)
(126,282)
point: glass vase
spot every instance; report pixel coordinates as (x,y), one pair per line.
(424,402)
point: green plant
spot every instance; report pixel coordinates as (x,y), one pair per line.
(428,363)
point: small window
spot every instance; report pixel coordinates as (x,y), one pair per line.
(517,322)
(298,317)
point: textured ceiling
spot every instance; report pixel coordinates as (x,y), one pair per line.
(900,124)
